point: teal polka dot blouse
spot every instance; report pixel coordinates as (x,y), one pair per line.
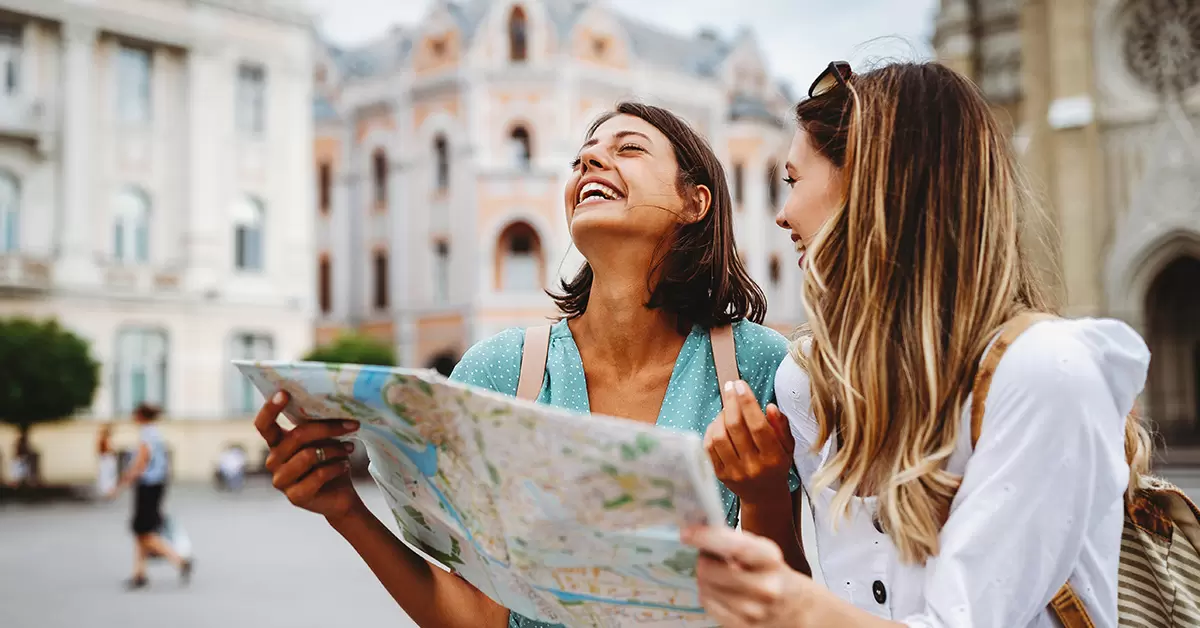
(693,397)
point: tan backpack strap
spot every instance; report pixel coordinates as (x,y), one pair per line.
(991,360)
(724,355)
(533,362)
(1069,609)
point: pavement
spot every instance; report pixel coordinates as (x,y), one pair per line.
(259,563)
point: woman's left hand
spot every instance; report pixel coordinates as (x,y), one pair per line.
(744,580)
(751,451)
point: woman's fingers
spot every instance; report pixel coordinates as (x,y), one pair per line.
(305,434)
(302,492)
(309,458)
(266,421)
(719,446)
(735,421)
(779,425)
(747,550)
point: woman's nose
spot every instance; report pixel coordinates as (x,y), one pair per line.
(781,220)
(593,159)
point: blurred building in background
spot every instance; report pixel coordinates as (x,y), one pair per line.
(442,151)
(155,197)
(1103,98)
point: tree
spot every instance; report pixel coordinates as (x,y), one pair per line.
(354,348)
(48,373)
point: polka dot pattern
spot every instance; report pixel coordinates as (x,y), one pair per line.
(693,396)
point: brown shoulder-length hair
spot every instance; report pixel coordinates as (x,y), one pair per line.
(907,283)
(698,275)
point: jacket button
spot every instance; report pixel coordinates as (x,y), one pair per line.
(880,592)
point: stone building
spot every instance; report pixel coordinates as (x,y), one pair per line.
(155,161)
(442,150)
(1104,101)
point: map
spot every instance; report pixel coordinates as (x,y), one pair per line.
(566,518)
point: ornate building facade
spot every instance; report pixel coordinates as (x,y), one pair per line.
(1104,101)
(442,150)
(150,154)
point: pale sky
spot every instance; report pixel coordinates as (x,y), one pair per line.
(798,37)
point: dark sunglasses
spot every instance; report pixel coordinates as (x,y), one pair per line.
(835,75)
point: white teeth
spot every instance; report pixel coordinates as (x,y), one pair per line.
(595,189)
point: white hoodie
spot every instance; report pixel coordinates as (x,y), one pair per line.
(1040,501)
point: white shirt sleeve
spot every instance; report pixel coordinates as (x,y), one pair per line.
(1049,467)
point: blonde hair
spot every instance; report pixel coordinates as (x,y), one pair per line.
(906,285)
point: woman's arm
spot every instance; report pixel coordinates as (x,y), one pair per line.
(140,460)
(430,595)
(778,519)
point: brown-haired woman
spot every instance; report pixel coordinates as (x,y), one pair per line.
(906,205)
(649,208)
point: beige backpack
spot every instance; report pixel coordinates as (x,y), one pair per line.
(1159,574)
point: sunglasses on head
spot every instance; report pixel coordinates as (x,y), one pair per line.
(835,75)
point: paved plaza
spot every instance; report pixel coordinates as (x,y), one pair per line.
(260,563)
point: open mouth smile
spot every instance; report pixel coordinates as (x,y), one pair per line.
(595,191)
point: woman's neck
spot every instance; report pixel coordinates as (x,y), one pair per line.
(620,330)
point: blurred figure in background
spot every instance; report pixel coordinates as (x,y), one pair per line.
(106,477)
(231,468)
(148,474)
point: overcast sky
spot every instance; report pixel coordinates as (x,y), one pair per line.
(799,37)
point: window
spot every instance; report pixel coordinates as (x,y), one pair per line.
(522,154)
(381,280)
(441,272)
(10,59)
(520,264)
(140,368)
(10,213)
(517,35)
(324,296)
(772,186)
(248,219)
(379,168)
(775,271)
(133,84)
(244,397)
(324,185)
(441,160)
(739,183)
(131,228)
(251,99)
(599,46)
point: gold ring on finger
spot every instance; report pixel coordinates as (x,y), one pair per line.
(320,455)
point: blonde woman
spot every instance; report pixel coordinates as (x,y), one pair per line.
(906,207)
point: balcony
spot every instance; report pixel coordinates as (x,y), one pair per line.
(27,120)
(141,280)
(23,273)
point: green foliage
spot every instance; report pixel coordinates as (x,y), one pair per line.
(354,349)
(46,372)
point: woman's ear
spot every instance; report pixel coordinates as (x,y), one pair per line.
(701,202)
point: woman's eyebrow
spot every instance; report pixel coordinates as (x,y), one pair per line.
(618,135)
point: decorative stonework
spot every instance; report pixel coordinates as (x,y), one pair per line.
(1162,44)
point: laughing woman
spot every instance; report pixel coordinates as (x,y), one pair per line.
(907,203)
(648,206)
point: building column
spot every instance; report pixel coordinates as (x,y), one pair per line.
(204,210)
(78,220)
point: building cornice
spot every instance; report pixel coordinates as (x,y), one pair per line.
(268,9)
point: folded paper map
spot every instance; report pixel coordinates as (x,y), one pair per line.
(566,518)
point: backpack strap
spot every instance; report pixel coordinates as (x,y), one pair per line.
(724,355)
(1065,604)
(533,362)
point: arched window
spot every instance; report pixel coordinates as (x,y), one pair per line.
(522,151)
(441,159)
(10,213)
(444,363)
(324,183)
(739,184)
(519,264)
(379,170)
(775,271)
(441,272)
(518,45)
(248,231)
(131,227)
(140,368)
(772,186)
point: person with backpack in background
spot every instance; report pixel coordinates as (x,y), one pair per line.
(148,474)
(971,459)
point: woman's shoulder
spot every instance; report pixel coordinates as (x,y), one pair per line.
(493,363)
(758,343)
(1084,356)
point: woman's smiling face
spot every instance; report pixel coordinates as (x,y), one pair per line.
(816,192)
(625,182)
